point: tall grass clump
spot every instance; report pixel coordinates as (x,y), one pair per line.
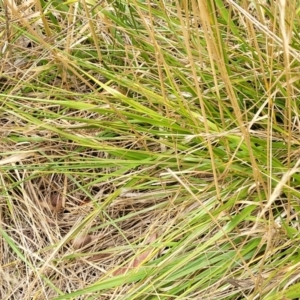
(149,149)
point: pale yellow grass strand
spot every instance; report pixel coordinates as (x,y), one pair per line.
(15,158)
(282,183)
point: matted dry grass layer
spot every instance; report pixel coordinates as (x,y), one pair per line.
(46,209)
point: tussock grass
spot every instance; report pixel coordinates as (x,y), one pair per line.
(149,150)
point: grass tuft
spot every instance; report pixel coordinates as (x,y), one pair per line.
(149,150)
